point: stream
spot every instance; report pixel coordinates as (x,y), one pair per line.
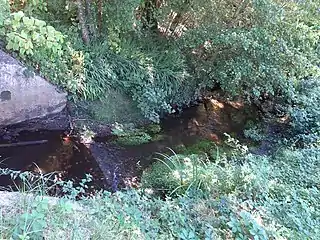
(112,165)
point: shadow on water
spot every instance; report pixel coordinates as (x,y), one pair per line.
(114,166)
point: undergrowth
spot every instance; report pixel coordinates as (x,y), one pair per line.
(239,196)
(267,50)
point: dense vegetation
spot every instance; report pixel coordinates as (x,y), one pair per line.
(164,55)
(151,49)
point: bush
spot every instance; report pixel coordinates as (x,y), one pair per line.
(180,174)
(255,133)
(264,48)
(45,49)
(177,174)
(152,72)
(305,113)
(160,178)
(261,197)
(277,48)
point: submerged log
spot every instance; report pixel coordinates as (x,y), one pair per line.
(17,144)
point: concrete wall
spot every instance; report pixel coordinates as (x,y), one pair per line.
(24,95)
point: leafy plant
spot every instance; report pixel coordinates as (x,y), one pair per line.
(256,133)
(153,82)
(32,223)
(35,6)
(27,34)
(264,54)
(128,135)
(305,113)
(244,226)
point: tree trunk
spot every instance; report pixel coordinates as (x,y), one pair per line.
(89,18)
(82,22)
(100,10)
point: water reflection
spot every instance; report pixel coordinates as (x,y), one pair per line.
(65,157)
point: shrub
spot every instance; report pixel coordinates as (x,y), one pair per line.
(254,48)
(262,196)
(32,223)
(293,198)
(244,226)
(201,147)
(181,174)
(45,49)
(255,133)
(160,178)
(176,174)
(305,113)
(277,48)
(151,72)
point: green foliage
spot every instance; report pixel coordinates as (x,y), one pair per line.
(201,147)
(153,128)
(255,133)
(107,110)
(160,178)
(27,34)
(32,223)
(243,226)
(152,73)
(251,48)
(277,50)
(120,21)
(174,174)
(45,49)
(305,113)
(257,49)
(179,174)
(228,149)
(129,135)
(4,13)
(294,195)
(35,7)
(267,196)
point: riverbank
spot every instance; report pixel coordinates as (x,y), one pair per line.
(252,196)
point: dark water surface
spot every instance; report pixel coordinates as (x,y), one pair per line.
(113,166)
(47,152)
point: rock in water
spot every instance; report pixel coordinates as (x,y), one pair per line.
(24,95)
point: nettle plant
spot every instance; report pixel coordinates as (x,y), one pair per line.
(27,35)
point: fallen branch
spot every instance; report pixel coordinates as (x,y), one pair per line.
(23,143)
